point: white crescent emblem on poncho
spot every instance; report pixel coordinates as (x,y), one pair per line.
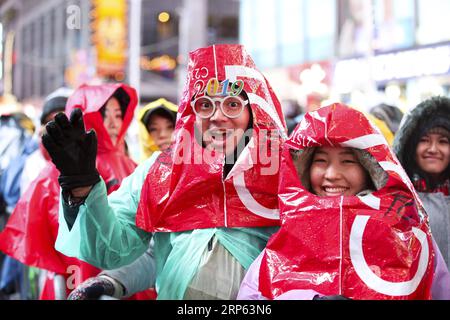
(234,71)
(250,202)
(374,282)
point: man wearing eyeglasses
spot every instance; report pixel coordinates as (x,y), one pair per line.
(225,122)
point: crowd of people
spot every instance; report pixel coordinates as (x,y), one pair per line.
(229,199)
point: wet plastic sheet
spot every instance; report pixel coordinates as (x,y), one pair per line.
(112,162)
(32,229)
(371,247)
(185,190)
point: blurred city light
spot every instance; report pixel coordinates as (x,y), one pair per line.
(163,17)
(385,46)
(1,51)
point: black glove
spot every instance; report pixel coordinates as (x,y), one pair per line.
(92,289)
(334,297)
(73,151)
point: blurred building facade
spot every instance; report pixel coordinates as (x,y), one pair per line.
(46,46)
(165,44)
(357,51)
(69,42)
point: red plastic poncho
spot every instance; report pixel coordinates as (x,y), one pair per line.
(370,247)
(32,229)
(112,162)
(184,189)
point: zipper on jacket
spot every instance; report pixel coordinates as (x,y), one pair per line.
(341,203)
(224,192)
(225,203)
(210,243)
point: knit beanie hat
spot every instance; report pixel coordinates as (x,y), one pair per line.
(162,111)
(390,115)
(56,101)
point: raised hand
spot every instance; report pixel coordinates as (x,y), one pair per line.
(93,289)
(72,150)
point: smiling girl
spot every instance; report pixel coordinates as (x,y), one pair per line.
(351,223)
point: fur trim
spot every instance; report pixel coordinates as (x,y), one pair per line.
(431,113)
(427,111)
(302,162)
(377,174)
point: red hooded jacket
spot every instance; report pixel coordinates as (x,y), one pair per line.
(32,228)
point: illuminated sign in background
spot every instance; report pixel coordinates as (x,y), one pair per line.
(1,56)
(393,66)
(110,27)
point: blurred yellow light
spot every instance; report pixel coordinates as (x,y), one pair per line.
(119,76)
(164,17)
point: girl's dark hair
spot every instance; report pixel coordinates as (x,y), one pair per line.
(122,97)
